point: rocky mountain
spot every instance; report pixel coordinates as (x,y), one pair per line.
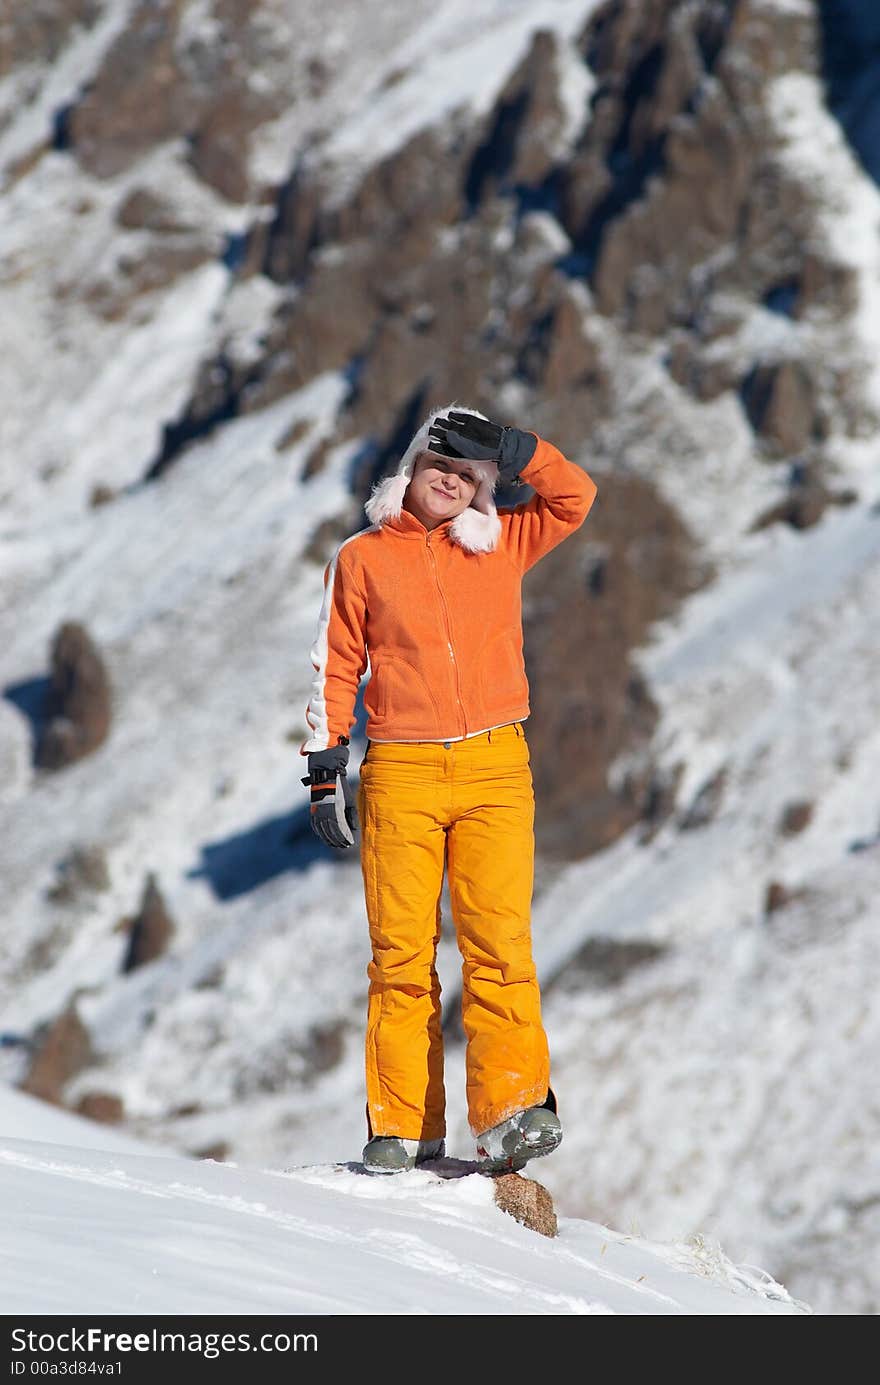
(243,248)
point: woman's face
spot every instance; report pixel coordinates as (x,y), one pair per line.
(440,488)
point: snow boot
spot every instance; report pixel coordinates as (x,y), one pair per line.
(392,1154)
(526,1135)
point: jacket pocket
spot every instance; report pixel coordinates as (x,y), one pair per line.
(397,688)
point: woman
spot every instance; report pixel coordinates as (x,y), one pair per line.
(430,597)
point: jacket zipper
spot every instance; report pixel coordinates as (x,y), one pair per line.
(448,625)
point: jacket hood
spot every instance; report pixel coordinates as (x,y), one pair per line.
(478,528)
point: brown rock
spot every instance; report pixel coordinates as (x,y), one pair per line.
(527,1202)
(802,508)
(324,1046)
(79,710)
(704,376)
(409,195)
(774,39)
(187,1108)
(292,435)
(139,96)
(217,1153)
(151,87)
(104,1107)
(323,328)
(101,494)
(326,538)
(521,137)
(218,147)
(781,403)
(62,1048)
(39,31)
(683,217)
(573,361)
(151,930)
(624,34)
(825,284)
(664,158)
(807,499)
(776,896)
(84,870)
(796,816)
(316,461)
(603,962)
(587,182)
(401,357)
(677,187)
(145,210)
(392,215)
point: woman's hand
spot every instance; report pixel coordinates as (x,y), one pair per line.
(479,440)
(333,813)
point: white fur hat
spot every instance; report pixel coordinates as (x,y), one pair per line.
(477,528)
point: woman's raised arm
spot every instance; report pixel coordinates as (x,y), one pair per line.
(564,495)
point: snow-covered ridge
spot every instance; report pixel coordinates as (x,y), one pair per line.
(124,1230)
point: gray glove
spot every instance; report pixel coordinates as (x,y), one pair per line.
(333,815)
(478,440)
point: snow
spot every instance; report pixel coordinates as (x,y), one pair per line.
(816,146)
(146,367)
(725,1092)
(795,7)
(107,1225)
(460,57)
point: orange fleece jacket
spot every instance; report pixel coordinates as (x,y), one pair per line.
(439,627)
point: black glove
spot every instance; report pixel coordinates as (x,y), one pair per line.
(334,814)
(478,440)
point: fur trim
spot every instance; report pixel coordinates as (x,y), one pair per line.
(386,502)
(478,528)
(476,532)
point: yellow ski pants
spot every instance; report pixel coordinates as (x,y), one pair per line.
(466,806)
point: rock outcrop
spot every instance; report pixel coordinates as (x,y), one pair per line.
(161,79)
(38,32)
(151,929)
(61,1048)
(527,1201)
(79,710)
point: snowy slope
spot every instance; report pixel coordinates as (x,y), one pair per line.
(111,1229)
